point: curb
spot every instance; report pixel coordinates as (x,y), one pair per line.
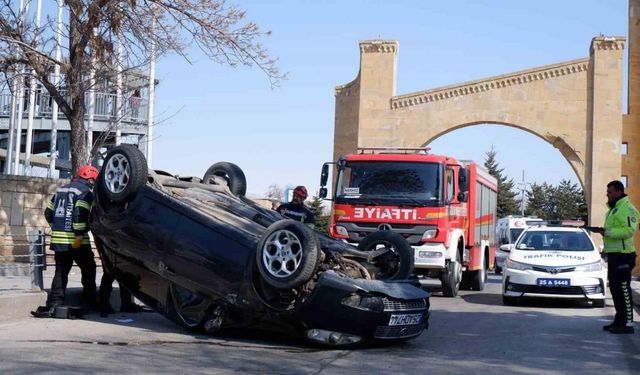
(19,304)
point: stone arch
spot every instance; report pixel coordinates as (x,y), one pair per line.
(570,156)
(574,105)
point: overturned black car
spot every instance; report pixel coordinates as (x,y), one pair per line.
(203,255)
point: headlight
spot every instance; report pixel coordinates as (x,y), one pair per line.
(595,266)
(513,265)
(342,231)
(429,234)
(358,301)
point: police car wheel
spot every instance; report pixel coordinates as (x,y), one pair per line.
(288,254)
(123,173)
(230,173)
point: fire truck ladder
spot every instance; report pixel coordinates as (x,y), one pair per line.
(393,150)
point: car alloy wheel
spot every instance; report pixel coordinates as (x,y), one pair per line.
(282,254)
(117,172)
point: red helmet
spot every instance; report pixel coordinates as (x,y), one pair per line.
(301,191)
(87,172)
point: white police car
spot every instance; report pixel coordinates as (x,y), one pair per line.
(557,261)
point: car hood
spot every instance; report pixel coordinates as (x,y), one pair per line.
(554,258)
(394,289)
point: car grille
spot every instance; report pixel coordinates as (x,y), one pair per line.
(399,305)
(397,332)
(553,270)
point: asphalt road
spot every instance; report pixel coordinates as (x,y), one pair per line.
(470,334)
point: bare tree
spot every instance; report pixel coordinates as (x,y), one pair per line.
(274,191)
(93,31)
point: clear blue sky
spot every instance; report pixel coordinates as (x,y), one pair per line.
(216,113)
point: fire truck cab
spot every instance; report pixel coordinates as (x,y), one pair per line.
(443,207)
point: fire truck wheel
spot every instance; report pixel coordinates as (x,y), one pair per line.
(478,278)
(397,262)
(451,277)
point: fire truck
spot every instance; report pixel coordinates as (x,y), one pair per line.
(445,208)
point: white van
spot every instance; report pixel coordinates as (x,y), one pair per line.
(508,229)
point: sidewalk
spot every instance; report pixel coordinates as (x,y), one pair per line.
(17,298)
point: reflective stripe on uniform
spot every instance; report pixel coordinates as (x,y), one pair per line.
(79,226)
(50,205)
(83,204)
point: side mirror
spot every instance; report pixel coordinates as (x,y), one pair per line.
(322,192)
(507,248)
(463,179)
(463,196)
(324,175)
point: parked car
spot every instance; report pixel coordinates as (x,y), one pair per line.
(202,254)
(553,260)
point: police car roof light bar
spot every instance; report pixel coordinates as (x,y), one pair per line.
(555,223)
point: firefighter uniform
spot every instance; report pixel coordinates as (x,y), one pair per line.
(621,224)
(68,214)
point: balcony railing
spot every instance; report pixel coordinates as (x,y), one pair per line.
(134,109)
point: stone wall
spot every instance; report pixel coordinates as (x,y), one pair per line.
(22,204)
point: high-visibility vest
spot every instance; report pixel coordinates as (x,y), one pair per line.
(620,225)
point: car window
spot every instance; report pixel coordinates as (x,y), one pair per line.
(555,240)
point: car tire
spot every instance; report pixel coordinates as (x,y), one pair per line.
(479,277)
(394,265)
(496,269)
(288,254)
(231,173)
(452,277)
(509,301)
(599,303)
(123,173)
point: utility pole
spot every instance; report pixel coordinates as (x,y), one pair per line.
(523,188)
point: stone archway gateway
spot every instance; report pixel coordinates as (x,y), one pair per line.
(574,105)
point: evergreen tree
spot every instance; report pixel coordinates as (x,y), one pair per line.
(540,201)
(507,204)
(316,205)
(569,201)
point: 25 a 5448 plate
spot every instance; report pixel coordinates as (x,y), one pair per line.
(553,282)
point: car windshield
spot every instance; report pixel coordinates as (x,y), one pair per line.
(555,240)
(389,183)
(515,233)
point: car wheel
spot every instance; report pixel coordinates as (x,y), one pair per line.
(452,277)
(231,173)
(599,303)
(123,173)
(509,301)
(397,262)
(479,277)
(288,254)
(496,268)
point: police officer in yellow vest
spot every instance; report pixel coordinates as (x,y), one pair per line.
(620,225)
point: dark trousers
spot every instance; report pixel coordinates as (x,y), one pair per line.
(64,260)
(619,273)
(106,287)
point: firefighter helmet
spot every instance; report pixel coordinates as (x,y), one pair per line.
(87,172)
(301,192)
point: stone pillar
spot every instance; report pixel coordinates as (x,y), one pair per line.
(634,58)
(604,128)
(377,87)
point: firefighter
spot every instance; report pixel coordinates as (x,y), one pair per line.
(620,225)
(296,209)
(68,215)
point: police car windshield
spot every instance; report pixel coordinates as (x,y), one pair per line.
(392,183)
(555,241)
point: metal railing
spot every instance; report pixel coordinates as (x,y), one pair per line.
(34,261)
(134,109)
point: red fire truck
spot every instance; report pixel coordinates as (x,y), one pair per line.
(445,208)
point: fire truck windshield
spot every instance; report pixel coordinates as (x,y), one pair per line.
(389,183)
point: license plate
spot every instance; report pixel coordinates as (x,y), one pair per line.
(405,319)
(553,282)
